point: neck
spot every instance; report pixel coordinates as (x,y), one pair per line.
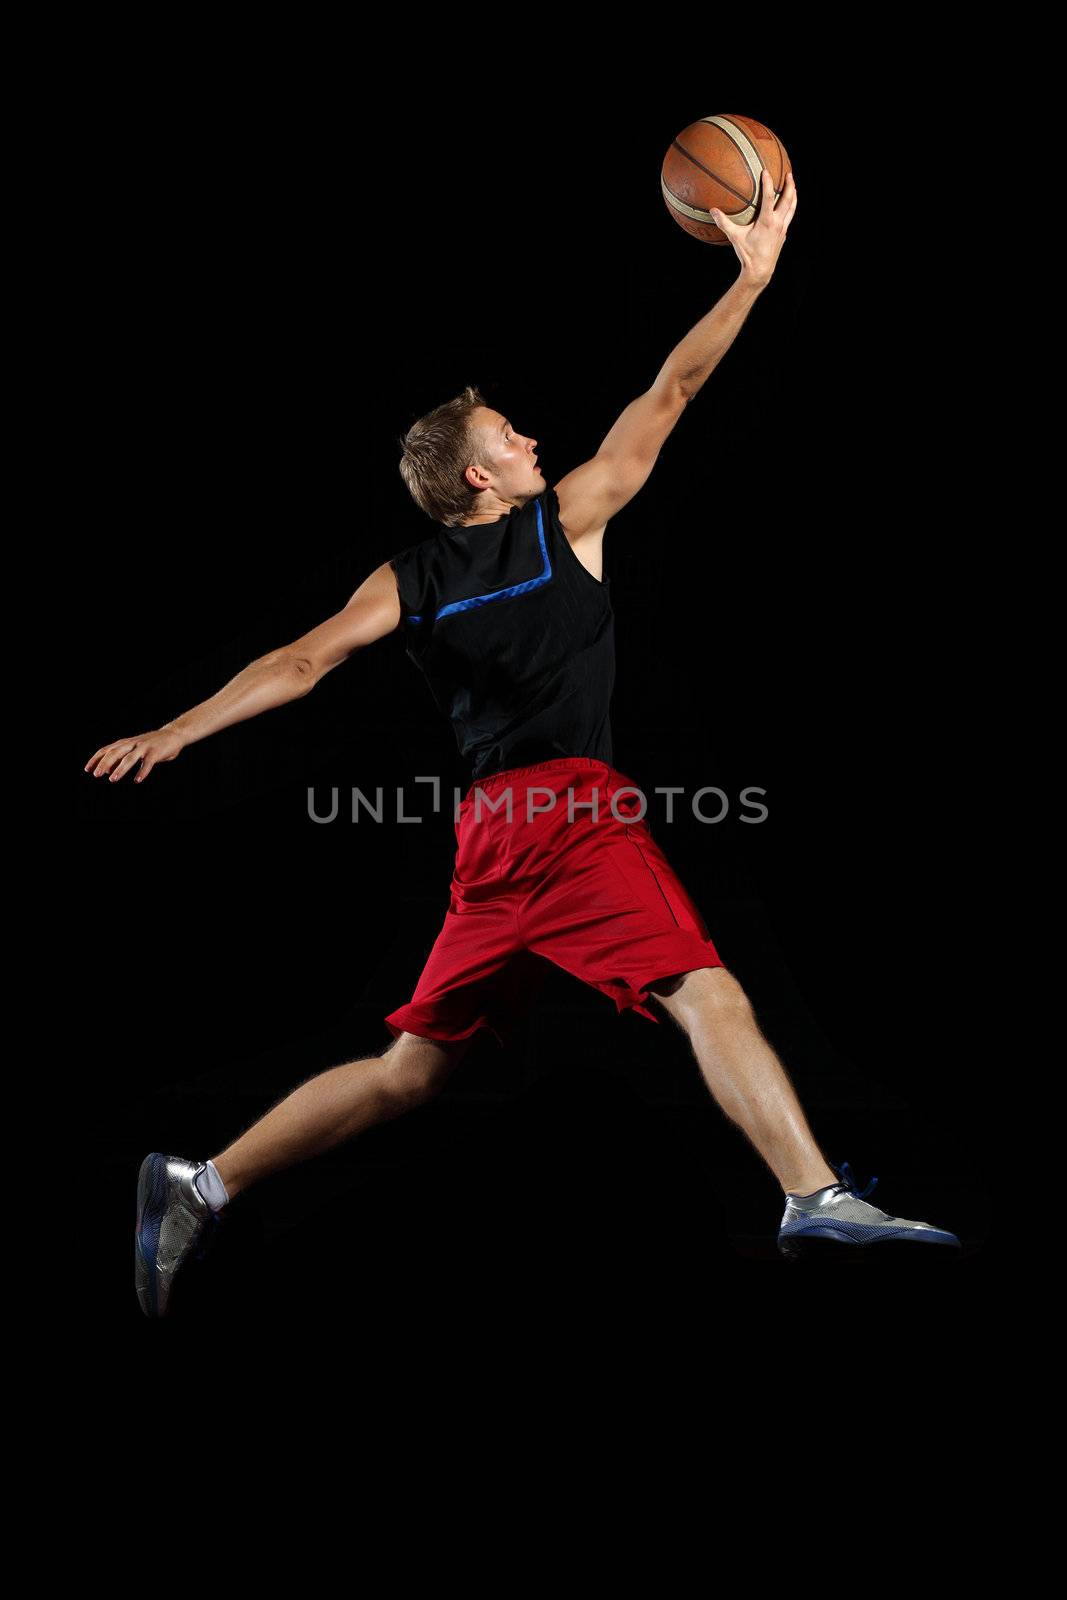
(504,508)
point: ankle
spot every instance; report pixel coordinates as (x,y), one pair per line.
(231,1178)
(809,1182)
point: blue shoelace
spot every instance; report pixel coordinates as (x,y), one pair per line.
(847,1186)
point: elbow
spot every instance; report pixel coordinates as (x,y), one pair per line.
(297,670)
(304,674)
(677,387)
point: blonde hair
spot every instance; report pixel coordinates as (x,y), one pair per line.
(437,449)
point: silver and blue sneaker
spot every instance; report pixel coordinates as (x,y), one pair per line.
(174,1223)
(836,1222)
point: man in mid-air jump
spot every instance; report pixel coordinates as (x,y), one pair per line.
(507,613)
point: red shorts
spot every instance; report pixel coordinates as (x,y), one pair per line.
(595,896)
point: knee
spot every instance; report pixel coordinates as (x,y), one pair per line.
(407,1082)
(726,991)
(413,1074)
(709,988)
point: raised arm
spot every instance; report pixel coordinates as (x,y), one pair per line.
(271,680)
(591,495)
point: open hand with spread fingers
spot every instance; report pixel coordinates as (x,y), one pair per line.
(757,244)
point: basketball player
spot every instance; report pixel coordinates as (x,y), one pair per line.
(506,611)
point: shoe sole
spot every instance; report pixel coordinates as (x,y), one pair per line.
(151,1192)
(831,1247)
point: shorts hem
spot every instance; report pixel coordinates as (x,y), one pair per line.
(438,1036)
(639,993)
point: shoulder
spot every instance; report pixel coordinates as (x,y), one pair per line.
(553,506)
(587,544)
(578,498)
(429,543)
(414,567)
(415,557)
(555,513)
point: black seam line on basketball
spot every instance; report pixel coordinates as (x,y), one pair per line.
(736,135)
(698,163)
(655,880)
(751,139)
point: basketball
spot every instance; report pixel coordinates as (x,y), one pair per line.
(716,161)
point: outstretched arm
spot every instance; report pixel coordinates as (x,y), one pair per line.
(591,494)
(272,680)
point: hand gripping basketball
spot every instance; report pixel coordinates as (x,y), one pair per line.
(757,244)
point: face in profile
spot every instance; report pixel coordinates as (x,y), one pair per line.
(511,458)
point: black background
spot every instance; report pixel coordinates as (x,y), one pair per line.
(279,280)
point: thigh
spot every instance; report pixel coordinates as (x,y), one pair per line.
(422,1064)
(477,977)
(611,910)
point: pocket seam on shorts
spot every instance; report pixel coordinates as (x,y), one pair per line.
(655,880)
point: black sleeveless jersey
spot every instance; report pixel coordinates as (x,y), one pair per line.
(516,638)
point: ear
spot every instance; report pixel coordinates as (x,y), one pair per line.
(476,476)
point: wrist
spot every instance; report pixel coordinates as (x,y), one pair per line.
(754,282)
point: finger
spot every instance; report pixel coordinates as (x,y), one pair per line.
(93,759)
(103,759)
(124,765)
(146,766)
(766,210)
(104,762)
(731,229)
(113,754)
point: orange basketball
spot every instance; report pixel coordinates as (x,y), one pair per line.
(716,161)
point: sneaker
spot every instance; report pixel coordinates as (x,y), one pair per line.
(174,1223)
(837,1223)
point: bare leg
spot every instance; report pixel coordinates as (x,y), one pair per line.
(744,1074)
(336,1104)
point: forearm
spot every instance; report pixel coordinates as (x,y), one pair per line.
(271,681)
(694,358)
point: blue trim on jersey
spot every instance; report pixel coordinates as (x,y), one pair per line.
(501,594)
